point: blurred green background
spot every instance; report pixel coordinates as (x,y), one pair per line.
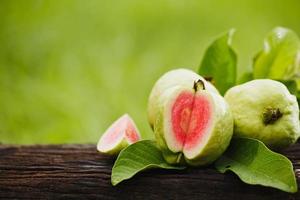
(69,68)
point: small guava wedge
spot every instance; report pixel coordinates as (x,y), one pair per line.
(176,77)
(264,109)
(119,135)
(193,125)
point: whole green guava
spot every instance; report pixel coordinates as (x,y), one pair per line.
(265,110)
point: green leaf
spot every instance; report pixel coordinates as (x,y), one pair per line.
(255,164)
(291,85)
(138,157)
(280,57)
(248,76)
(220,63)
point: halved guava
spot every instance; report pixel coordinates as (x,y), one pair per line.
(119,135)
(178,77)
(193,125)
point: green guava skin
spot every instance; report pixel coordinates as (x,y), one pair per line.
(217,142)
(220,136)
(177,77)
(249,102)
(169,156)
(116,150)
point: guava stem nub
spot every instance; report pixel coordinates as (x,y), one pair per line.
(271,115)
(199,85)
(208,78)
(179,158)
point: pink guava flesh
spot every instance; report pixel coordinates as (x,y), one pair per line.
(114,132)
(190,117)
(131,133)
(124,127)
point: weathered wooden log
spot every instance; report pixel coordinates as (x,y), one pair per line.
(80,172)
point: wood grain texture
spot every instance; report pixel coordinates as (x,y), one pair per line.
(80,172)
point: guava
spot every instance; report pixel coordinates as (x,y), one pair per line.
(193,124)
(177,77)
(119,135)
(265,110)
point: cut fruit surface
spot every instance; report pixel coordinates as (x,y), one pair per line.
(189,119)
(191,115)
(173,78)
(181,113)
(192,122)
(200,121)
(193,126)
(119,135)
